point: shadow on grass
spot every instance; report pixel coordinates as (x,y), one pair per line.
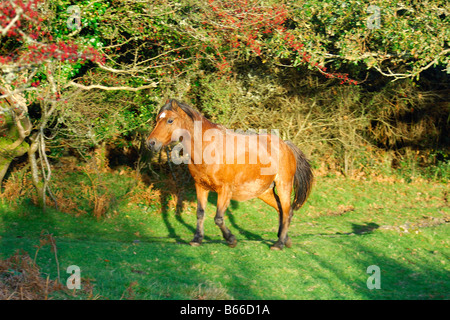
(401,278)
(165,212)
(185,192)
(364,228)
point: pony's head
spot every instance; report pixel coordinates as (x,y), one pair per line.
(173,116)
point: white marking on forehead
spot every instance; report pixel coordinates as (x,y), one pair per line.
(163,115)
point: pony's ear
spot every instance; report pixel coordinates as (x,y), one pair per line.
(174,105)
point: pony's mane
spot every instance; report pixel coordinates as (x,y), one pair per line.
(191,112)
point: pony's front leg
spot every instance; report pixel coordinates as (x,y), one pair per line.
(223,200)
(202,200)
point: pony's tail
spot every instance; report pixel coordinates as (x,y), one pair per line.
(303,178)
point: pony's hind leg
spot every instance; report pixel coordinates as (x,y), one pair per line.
(272,199)
(287,241)
(285,214)
(223,200)
(202,199)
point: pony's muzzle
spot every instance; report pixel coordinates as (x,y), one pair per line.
(154,144)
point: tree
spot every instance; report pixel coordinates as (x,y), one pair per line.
(399,39)
(30,56)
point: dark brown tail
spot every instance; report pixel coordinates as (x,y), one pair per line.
(303,178)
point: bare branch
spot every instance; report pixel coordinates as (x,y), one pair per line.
(398,76)
(9,94)
(97,86)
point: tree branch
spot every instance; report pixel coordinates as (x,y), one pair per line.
(398,76)
(101,87)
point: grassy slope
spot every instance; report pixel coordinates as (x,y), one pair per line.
(347,225)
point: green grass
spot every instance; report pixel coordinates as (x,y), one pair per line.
(142,252)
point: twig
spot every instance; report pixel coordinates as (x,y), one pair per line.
(55,250)
(170,167)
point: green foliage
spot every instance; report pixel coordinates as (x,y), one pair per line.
(411,35)
(89,119)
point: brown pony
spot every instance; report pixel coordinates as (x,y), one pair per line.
(235,165)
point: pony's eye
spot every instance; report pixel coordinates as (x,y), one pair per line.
(170,121)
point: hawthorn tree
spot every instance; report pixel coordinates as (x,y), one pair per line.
(399,39)
(30,61)
(239,29)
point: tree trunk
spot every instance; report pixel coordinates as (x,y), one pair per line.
(35,179)
(7,156)
(15,126)
(4,165)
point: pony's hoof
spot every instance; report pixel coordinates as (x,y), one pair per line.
(232,245)
(195,243)
(277,246)
(232,242)
(288,243)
